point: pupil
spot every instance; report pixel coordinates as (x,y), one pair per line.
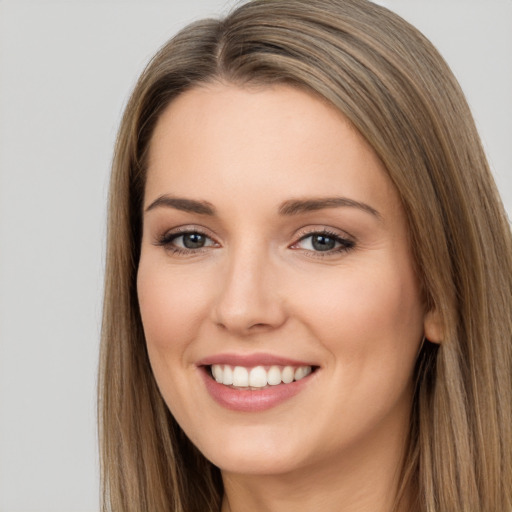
(323,243)
(193,241)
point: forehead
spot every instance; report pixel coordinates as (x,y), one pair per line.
(247,139)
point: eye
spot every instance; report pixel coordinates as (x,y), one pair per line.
(186,241)
(192,241)
(323,242)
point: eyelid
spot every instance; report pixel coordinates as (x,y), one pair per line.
(183,229)
(165,239)
(323,229)
(346,242)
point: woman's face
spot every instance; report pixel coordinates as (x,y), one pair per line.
(275,248)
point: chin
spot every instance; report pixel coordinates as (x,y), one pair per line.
(261,466)
(263,456)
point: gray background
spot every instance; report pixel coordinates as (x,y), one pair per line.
(66,70)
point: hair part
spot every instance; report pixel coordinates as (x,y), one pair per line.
(394,87)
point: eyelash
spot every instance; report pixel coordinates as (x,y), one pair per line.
(345,244)
(167,240)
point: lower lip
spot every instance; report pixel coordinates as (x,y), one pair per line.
(251,400)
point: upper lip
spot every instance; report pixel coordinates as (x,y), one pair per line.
(251,360)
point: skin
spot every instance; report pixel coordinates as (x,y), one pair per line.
(259,285)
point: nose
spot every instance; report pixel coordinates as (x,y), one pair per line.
(249,299)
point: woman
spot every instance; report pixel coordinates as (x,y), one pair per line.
(309,278)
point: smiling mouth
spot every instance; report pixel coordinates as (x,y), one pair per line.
(258,377)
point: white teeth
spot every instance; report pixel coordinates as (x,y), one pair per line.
(258,377)
(302,371)
(240,377)
(217,373)
(288,374)
(228,376)
(274,376)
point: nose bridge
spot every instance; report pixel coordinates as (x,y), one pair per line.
(248,298)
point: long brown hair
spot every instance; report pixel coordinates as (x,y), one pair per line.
(394,87)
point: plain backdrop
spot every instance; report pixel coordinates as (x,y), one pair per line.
(66,70)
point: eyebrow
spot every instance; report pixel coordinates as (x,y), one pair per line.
(185,205)
(288,208)
(298,206)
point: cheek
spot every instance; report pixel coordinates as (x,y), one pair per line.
(172,305)
(371,324)
(368,316)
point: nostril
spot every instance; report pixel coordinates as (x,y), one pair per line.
(259,325)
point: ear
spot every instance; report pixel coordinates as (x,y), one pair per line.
(433,326)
